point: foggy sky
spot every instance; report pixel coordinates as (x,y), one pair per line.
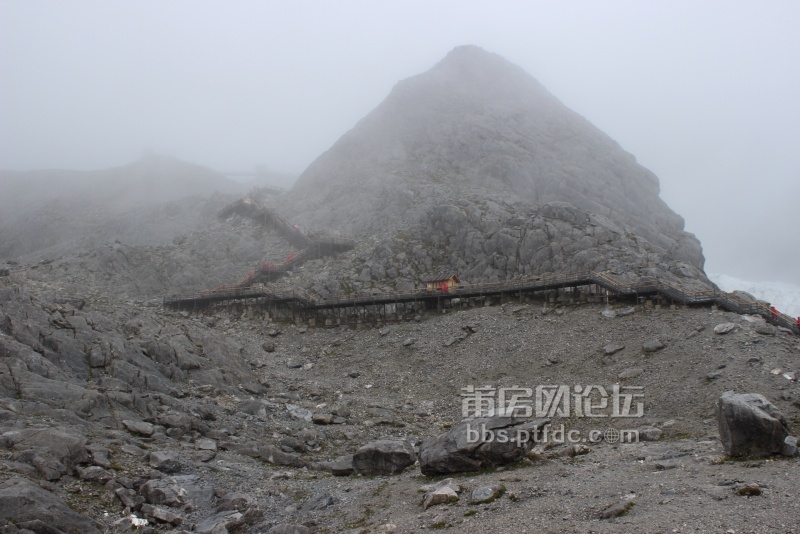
(705,94)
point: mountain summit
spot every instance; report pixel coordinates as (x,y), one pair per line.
(477,142)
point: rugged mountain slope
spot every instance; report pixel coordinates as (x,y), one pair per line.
(475,161)
(225,419)
(49,213)
(106,406)
(219,253)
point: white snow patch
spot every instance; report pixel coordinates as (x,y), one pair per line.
(785,297)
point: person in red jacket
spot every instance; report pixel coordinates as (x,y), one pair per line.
(774,311)
(798,323)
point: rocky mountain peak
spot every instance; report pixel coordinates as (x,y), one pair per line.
(471,72)
(477,129)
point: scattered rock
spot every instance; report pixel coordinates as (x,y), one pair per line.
(95,474)
(442,495)
(612,348)
(165,461)
(99,456)
(227,521)
(133,450)
(48,467)
(464,448)
(620,508)
(626,311)
(384,457)
(725,328)
(649,433)
(139,427)
(178,491)
(652,345)
(272,455)
(340,467)
(790,446)
(235,501)
(205,444)
(454,339)
(486,494)
(748,490)
(632,372)
(665,465)
(322,419)
(129,498)
(299,412)
(318,502)
(764,329)
(427,488)
(161,514)
(257,408)
(340,410)
(443,492)
(254,388)
(409,341)
(383,416)
(570,451)
(292,444)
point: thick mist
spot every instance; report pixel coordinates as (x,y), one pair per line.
(704,95)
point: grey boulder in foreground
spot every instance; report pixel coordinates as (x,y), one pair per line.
(750,425)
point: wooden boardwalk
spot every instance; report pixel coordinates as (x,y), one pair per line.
(523,286)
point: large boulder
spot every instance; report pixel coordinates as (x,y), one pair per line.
(53,452)
(32,508)
(341,466)
(178,491)
(724,328)
(478,444)
(266,453)
(750,425)
(384,457)
(166,461)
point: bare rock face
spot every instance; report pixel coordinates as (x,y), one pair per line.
(475,166)
(750,425)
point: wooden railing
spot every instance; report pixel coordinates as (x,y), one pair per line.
(665,288)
